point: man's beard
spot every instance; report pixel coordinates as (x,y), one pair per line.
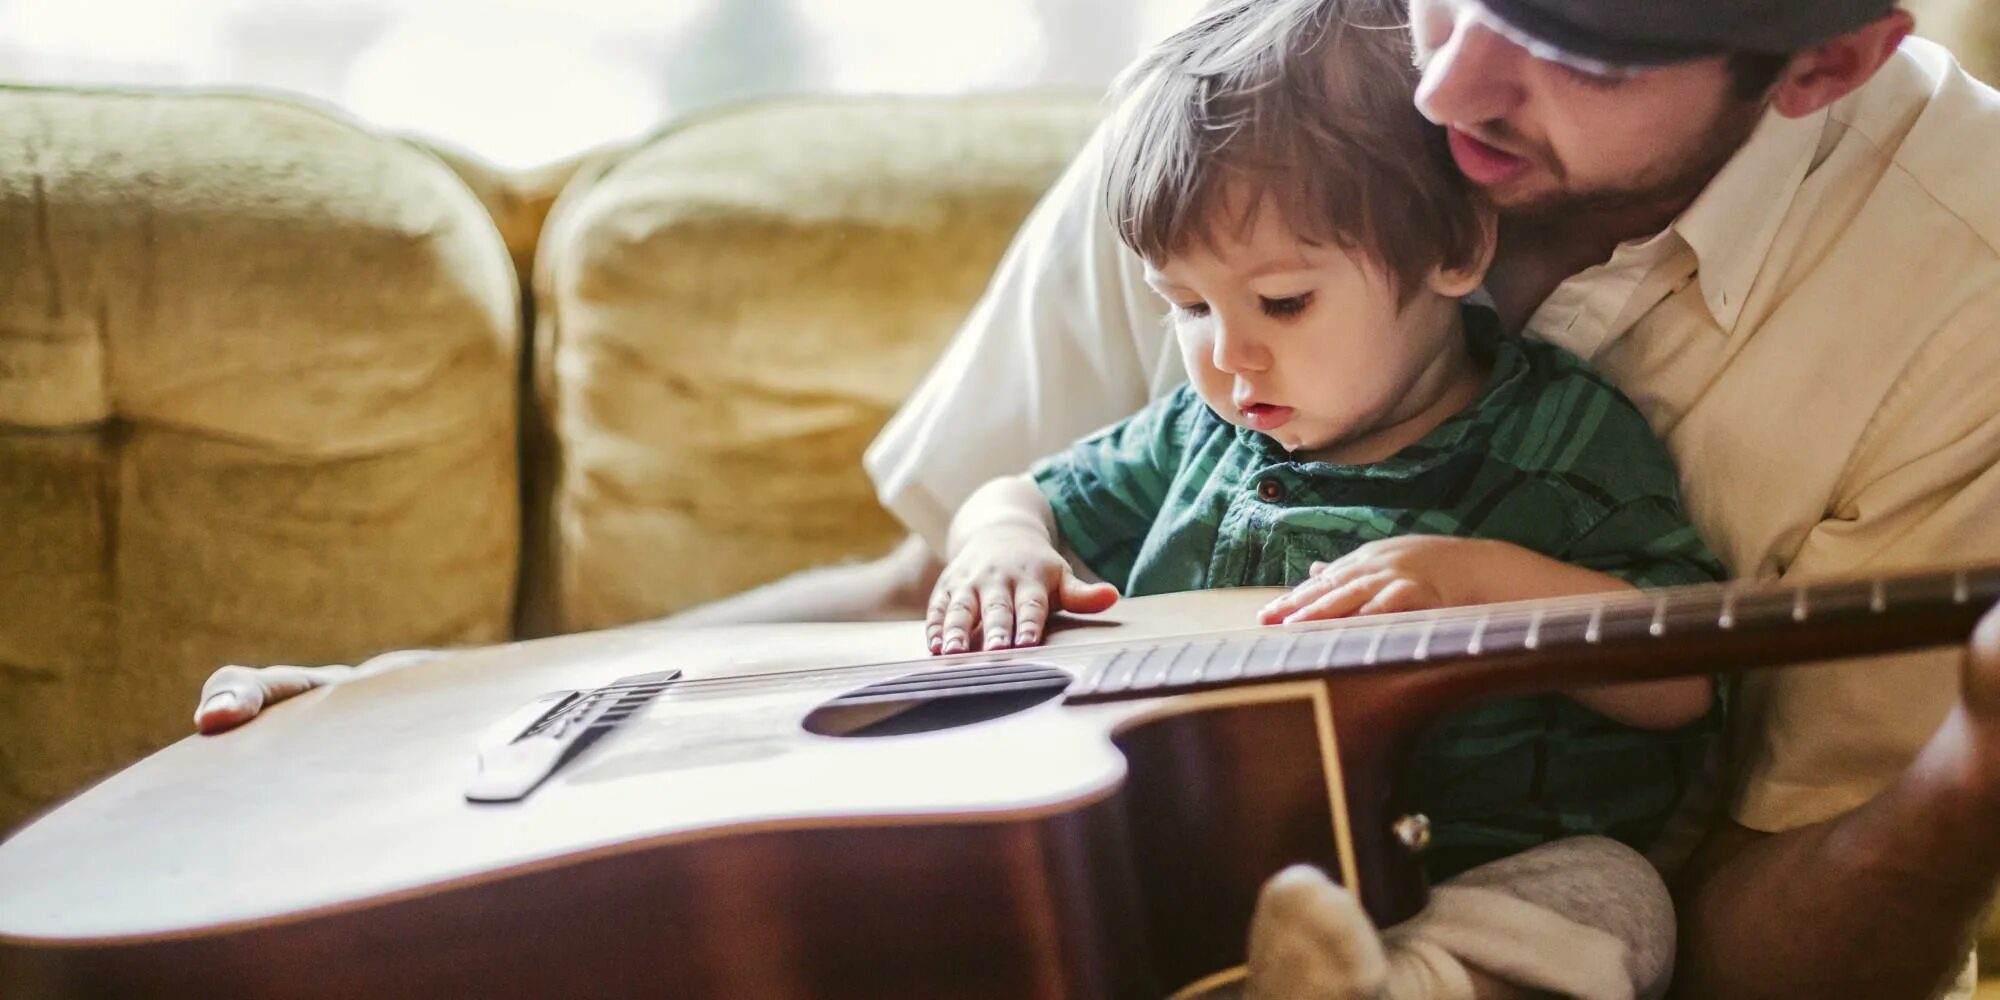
(1678,184)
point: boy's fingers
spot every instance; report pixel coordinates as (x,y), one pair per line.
(1399,595)
(1339,602)
(934,621)
(1325,579)
(960,612)
(1086,598)
(1031,611)
(1300,596)
(996,612)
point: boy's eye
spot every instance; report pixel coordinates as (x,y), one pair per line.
(1289,306)
(1194,310)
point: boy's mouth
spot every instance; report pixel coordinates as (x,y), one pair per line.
(1265,417)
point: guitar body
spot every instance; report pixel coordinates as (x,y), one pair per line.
(715,848)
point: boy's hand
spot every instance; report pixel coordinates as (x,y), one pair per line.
(1408,573)
(1002,586)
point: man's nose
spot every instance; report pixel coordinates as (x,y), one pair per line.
(1473,76)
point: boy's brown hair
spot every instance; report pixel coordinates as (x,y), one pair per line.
(1308,103)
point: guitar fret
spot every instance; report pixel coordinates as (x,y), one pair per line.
(1594,630)
(1423,651)
(1329,642)
(1534,636)
(1118,672)
(1959,588)
(1188,663)
(1151,670)
(1472,645)
(1281,660)
(1800,611)
(1878,598)
(1237,668)
(1374,645)
(1659,626)
(1727,619)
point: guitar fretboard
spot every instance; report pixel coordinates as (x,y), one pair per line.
(1729,623)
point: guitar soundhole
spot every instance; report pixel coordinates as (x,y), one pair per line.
(928,701)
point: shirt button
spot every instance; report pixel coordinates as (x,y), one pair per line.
(1270,490)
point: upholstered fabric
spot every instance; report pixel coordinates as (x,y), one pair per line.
(728,315)
(518,200)
(1970,28)
(257,403)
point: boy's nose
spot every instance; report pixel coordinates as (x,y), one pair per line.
(1235,350)
(1472,76)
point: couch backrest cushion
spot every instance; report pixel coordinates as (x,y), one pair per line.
(257,402)
(730,313)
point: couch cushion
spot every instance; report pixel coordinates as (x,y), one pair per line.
(730,313)
(257,403)
(1970,28)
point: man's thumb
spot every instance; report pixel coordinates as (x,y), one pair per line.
(1086,598)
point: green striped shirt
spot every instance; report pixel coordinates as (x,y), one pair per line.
(1549,457)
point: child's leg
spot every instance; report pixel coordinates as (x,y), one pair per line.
(1585,917)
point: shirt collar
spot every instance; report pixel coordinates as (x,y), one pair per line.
(1733,222)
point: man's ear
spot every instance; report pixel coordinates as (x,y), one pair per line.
(1818,77)
(1458,281)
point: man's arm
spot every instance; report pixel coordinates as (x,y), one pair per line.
(1884,898)
(1881,901)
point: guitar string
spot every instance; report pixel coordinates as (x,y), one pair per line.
(1613,603)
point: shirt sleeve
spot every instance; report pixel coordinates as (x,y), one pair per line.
(1107,490)
(1066,339)
(1647,542)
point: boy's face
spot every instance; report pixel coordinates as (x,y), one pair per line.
(1539,137)
(1306,343)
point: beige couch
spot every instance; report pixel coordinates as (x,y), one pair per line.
(269,392)
(262,372)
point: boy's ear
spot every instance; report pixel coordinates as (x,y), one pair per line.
(1458,281)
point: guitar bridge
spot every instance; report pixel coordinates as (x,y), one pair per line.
(521,751)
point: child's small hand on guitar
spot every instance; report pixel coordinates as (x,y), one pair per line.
(998,593)
(1407,573)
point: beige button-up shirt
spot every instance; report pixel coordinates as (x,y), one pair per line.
(1817,339)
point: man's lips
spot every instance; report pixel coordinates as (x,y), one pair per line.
(1482,163)
(1265,417)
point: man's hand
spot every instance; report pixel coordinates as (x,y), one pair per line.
(1001,586)
(234,695)
(1980,697)
(1407,573)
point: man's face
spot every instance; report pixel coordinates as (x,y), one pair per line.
(1542,138)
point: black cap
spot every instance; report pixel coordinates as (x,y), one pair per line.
(1658,32)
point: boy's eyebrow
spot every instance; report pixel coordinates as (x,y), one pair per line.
(1278,265)
(1283,264)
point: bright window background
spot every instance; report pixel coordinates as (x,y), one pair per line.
(524,82)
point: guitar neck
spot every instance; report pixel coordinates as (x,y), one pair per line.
(1548,644)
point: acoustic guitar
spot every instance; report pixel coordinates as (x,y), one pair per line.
(819,811)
